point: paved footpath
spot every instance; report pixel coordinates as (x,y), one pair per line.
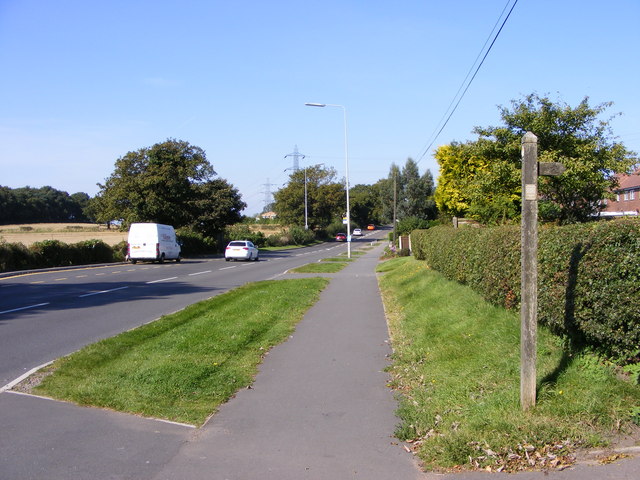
(319,408)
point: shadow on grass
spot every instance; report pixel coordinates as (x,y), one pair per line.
(575,340)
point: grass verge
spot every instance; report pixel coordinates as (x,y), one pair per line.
(456,367)
(321,267)
(183,366)
(337,259)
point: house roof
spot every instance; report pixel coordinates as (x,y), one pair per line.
(627,182)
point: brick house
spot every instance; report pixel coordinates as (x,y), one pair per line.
(627,201)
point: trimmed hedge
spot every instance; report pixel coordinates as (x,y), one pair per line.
(588,277)
(53,253)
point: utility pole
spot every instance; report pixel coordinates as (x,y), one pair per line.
(529,263)
(395,205)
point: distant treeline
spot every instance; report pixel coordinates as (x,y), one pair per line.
(41,205)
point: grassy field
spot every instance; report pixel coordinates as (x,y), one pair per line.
(456,370)
(183,366)
(64,232)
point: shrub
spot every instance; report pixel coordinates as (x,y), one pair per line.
(194,243)
(90,251)
(300,236)
(243,232)
(409,224)
(588,276)
(51,253)
(14,256)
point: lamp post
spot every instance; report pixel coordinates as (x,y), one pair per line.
(346,159)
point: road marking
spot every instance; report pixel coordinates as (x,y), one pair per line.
(227,268)
(60,279)
(199,273)
(12,384)
(25,308)
(161,280)
(101,292)
(81,276)
(39,281)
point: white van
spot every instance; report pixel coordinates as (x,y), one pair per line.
(152,241)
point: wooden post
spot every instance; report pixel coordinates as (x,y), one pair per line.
(529,276)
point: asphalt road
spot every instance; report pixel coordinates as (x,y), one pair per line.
(50,314)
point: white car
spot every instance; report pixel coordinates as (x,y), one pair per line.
(356,232)
(241,250)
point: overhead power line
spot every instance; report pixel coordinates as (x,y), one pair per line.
(462,90)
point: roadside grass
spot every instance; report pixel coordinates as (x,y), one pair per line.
(321,267)
(289,247)
(337,259)
(184,365)
(353,253)
(456,367)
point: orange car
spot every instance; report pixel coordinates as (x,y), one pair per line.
(371,226)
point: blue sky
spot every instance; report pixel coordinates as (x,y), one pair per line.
(84,82)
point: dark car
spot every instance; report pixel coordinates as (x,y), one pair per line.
(341,237)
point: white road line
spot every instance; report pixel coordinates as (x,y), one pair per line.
(162,280)
(12,384)
(227,268)
(199,273)
(101,292)
(25,308)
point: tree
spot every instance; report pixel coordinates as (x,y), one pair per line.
(415,197)
(482,178)
(414,193)
(172,183)
(216,204)
(45,204)
(326,199)
(364,201)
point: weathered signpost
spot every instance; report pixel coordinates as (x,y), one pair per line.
(529,262)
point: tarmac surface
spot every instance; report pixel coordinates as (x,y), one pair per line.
(320,408)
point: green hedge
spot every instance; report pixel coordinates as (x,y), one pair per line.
(53,253)
(588,276)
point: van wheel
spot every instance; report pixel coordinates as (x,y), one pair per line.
(134,261)
(178,260)
(161,259)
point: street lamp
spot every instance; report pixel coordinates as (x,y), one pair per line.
(346,159)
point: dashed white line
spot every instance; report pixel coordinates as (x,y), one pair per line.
(199,273)
(227,268)
(162,280)
(25,308)
(101,292)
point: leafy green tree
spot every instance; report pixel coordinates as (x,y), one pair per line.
(37,205)
(482,178)
(414,193)
(216,204)
(365,205)
(415,197)
(326,199)
(385,188)
(172,183)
